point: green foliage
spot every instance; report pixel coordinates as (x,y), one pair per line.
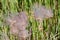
(51,27)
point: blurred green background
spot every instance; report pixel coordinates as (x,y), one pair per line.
(51,27)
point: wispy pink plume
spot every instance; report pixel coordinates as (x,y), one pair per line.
(41,11)
(18,24)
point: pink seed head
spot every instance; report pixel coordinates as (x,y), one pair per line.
(18,22)
(41,11)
